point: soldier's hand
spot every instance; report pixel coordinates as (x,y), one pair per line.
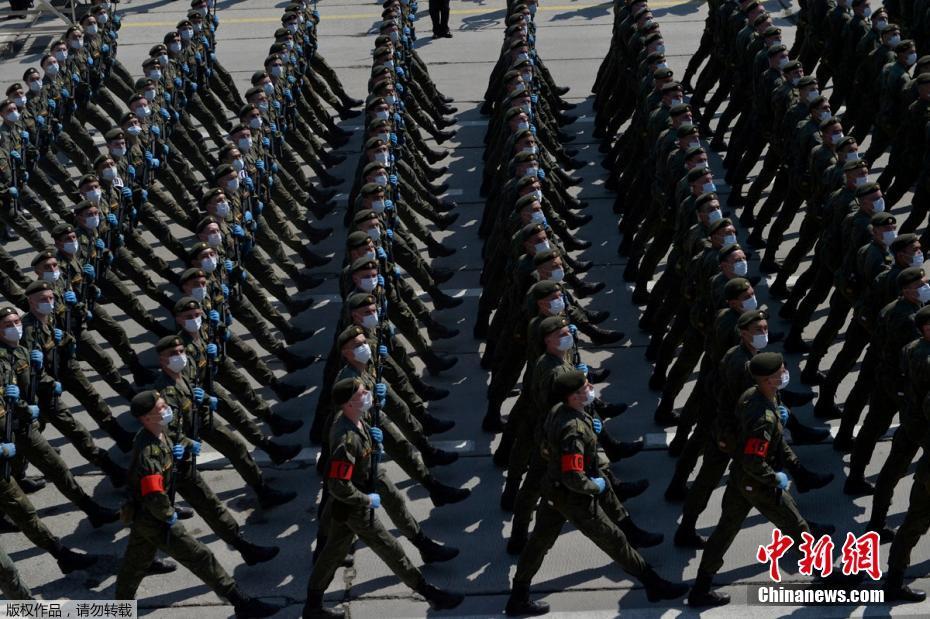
(782,480)
(156,131)
(199,394)
(237,231)
(259,205)
(582,367)
(99,244)
(389,205)
(260,164)
(381,390)
(247,217)
(59,335)
(213,402)
(178,452)
(573,329)
(14,154)
(11,392)
(374,499)
(783,414)
(383,351)
(126,192)
(171,521)
(377,435)
(33,411)
(212,351)
(225,290)
(601,484)
(14,192)
(56,388)
(214,317)
(89,271)
(37,358)
(389,233)
(598,425)
(195,447)
(111,219)
(380,279)
(381,253)
(392,179)
(8,450)
(228,265)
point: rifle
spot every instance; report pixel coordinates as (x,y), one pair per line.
(377,454)
(7,464)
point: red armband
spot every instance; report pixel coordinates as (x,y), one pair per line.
(341,470)
(152,483)
(756,447)
(572,463)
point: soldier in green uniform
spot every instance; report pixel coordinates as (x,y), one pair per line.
(154,521)
(575,489)
(756,476)
(350,477)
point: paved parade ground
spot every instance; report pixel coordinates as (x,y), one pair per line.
(576,578)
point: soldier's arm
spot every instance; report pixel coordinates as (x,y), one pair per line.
(756,446)
(571,461)
(340,470)
(152,483)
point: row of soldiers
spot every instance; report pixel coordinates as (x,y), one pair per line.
(374,400)
(243,212)
(531,285)
(871,266)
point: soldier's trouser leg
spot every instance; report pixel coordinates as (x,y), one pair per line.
(15,220)
(245,312)
(694,446)
(687,360)
(223,93)
(713,466)
(77,156)
(233,379)
(520,426)
(779,507)
(11,585)
(92,114)
(528,495)
(856,340)
(228,443)
(549,523)
(260,301)
(246,356)
(786,217)
(72,429)
(916,522)
(15,504)
(233,412)
(36,450)
(818,291)
(117,292)
(148,537)
(807,238)
(839,309)
(90,352)
(112,332)
(259,267)
(372,532)
(195,491)
(76,383)
(269,241)
(882,406)
(395,505)
(904,446)
(403,452)
(406,323)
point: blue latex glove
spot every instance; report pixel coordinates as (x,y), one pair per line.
(212,351)
(389,233)
(40,120)
(381,253)
(89,271)
(186,68)
(541,173)
(573,329)
(199,394)
(195,447)
(145,194)
(24,135)
(14,154)
(13,191)
(65,93)
(783,414)
(247,217)
(8,450)
(111,219)
(380,279)
(126,192)
(75,78)
(400,73)
(52,104)
(89,61)
(399,88)
(173,520)
(225,289)
(582,367)
(377,435)
(375,499)
(165,149)
(229,320)
(178,452)
(213,402)
(266,142)
(33,411)
(274,127)
(249,184)
(56,388)
(58,335)
(177,82)
(228,265)
(782,480)
(156,130)
(382,351)
(381,390)
(260,164)
(214,317)
(105,48)
(198,57)
(167,97)
(598,425)
(99,244)
(601,484)
(165,114)
(237,231)
(259,205)
(70,298)
(131,171)
(11,392)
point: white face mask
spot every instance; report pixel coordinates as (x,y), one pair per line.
(911,59)
(823,115)
(143,111)
(13,334)
(35,85)
(255,122)
(163,60)
(917,259)
(237,164)
(214,239)
(61,55)
(167,416)
(708,187)
(812,94)
(20,101)
(923,293)
(368,283)
(92,222)
(75,43)
(760,340)
(370,255)
(186,34)
(92,29)
(740,268)
(268,87)
(894,40)
(70,247)
(176,363)
(888,237)
(367,401)
(749,304)
(590,396)
(51,276)
(133,129)
(557,306)
(538,217)
(362,353)
(232,185)
(12,117)
(878,205)
(374,233)
(785,379)
(852,155)
(245,144)
(381,115)
(541,246)
(382,157)
(860,181)
(45,308)
(108,173)
(714,215)
(566,342)
(93,196)
(151,94)
(192,325)
(199,293)
(523,126)
(102,18)
(222,209)
(729,239)
(208,264)
(377,206)
(51,69)
(370,321)
(557,274)
(381,180)
(277,70)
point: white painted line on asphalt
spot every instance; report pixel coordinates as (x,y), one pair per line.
(583,118)
(450,193)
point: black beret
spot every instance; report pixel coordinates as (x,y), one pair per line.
(8,310)
(360,299)
(777,49)
(82,205)
(370,188)
(846,141)
(60,230)
(541,290)
(542,257)
(222,170)
(348,334)
(38,286)
(88,178)
(706,198)
(191,273)
(882,219)
(661,74)
(209,194)
(669,87)
(719,224)
(849,166)
(142,403)
(816,102)
(792,65)
(114,134)
(923,78)
(363,215)
(363,263)
(45,254)
(186,303)
(552,324)
(100,160)
(752,316)
(168,342)
(735,287)
(357,239)
(568,383)
(766,363)
(196,249)
(530,229)
(903,46)
(903,242)
(685,129)
(524,201)
(679,109)
(344,389)
(866,189)
(206,221)
(726,250)
(909,276)
(697,172)
(807,80)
